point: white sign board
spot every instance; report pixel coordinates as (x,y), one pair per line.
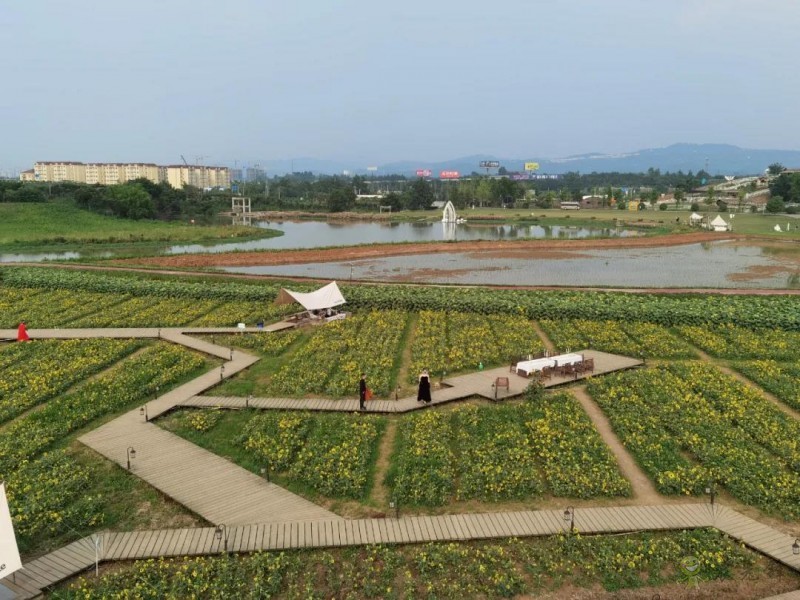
(9,554)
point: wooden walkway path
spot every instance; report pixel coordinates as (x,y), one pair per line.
(480,383)
(208,485)
(326,533)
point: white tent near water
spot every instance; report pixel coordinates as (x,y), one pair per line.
(328,296)
(695,218)
(719,224)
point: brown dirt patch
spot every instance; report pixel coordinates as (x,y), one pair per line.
(287,257)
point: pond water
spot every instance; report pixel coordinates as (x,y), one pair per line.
(708,265)
(318,234)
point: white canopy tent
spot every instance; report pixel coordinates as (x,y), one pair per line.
(325,297)
(719,224)
(695,218)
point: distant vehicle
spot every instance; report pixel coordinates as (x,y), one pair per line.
(570,205)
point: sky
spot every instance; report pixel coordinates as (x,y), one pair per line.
(374,82)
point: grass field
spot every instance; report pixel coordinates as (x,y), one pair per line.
(60,225)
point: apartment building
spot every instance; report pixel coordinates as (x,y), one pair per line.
(114,173)
(198,176)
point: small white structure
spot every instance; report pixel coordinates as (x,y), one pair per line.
(319,305)
(449,213)
(778,228)
(719,224)
(695,219)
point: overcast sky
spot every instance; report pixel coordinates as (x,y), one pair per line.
(368,81)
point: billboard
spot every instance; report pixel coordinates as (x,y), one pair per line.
(449,175)
(531,166)
(489,164)
(372,168)
(424,172)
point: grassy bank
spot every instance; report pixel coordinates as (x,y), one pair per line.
(59,226)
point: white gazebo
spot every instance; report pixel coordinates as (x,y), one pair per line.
(319,305)
(695,219)
(719,224)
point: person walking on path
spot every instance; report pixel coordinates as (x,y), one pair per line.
(22,333)
(362,392)
(424,391)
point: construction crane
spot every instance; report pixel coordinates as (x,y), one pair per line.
(184,160)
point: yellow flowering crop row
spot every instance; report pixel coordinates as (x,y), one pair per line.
(332,454)
(448,570)
(782,379)
(730,341)
(48,367)
(457,341)
(332,360)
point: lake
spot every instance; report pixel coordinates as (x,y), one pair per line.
(320,234)
(707,265)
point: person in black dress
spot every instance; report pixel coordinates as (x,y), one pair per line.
(424,392)
(362,392)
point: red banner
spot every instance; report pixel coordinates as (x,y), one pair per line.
(449,175)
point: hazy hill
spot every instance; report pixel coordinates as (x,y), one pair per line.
(723,159)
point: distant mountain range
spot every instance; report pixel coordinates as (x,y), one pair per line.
(719,159)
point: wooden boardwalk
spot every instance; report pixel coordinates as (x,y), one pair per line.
(480,383)
(198,479)
(48,570)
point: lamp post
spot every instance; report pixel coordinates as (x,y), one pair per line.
(569,517)
(231,353)
(265,473)
(220,533)
(796,547)
(143,412)
(711,491)
(221,372)
(395,504)
(131,455)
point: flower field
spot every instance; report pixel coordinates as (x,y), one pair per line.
(334,357)
(782,379)
(332,454)
(457,341)
(547,444)
(51,308)
(630,338)
(491,569)
(47,487)
(730,341)
(34,372)
(765,312)
(267,343)
(737,437)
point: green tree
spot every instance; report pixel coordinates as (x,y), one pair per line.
(420,195)
(775,168)
(711,195)
(131,201)
(341,199)
(775,205)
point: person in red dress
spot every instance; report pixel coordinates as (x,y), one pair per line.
(22,333)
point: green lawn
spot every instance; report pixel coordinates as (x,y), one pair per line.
(60,224)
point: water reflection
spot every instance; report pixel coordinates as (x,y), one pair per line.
(43,256)
(316,234)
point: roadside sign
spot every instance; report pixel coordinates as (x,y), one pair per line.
(531,166)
